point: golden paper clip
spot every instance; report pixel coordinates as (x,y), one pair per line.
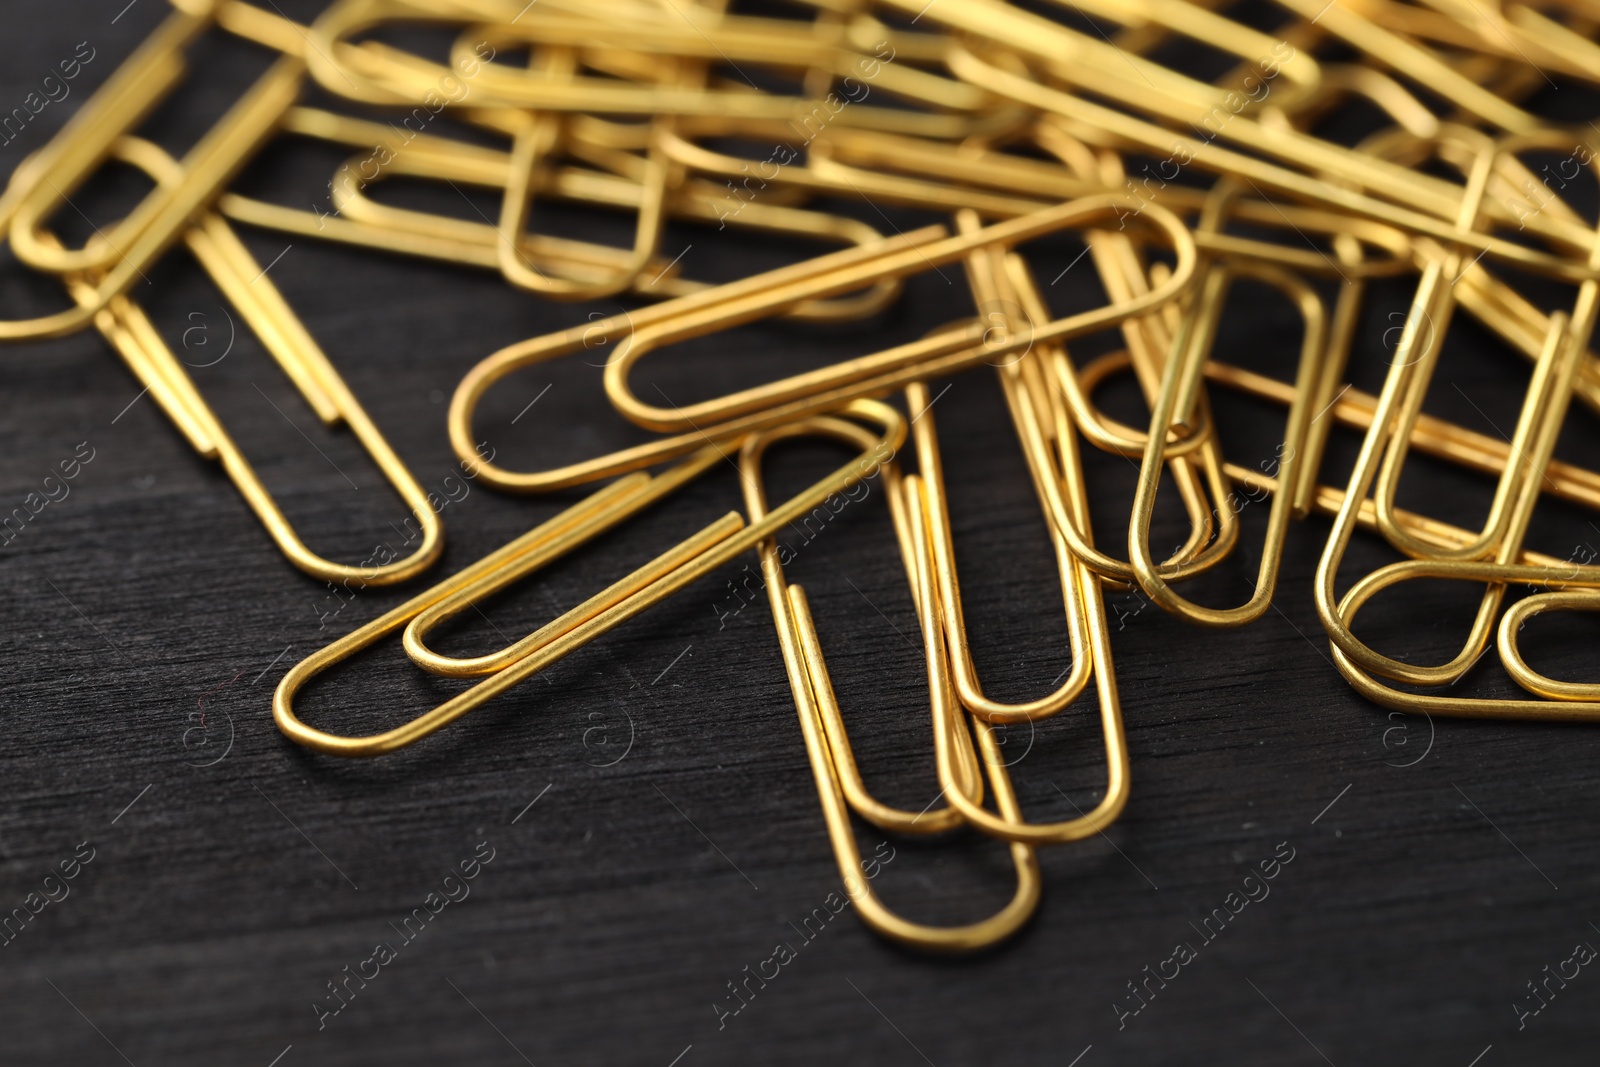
(892,368)
(596,622)
(827,747)
(1549,394)
(1174,410)
(247,286)
(1090,639)
(984,276)
(512,358)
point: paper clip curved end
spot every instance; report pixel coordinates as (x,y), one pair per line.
(464,405)
(1509,643)
(307,736)
(294,549)
(971,937)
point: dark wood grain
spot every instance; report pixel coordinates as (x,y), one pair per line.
(674,836)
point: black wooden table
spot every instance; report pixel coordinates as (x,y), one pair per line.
(640,820)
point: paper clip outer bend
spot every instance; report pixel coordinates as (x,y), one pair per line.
(1414,357)
(892,368)
(235,271)
(584,336)
(1509,642)
(889,441)
(788,609)
(797,631)
(1180,383)
(548,540)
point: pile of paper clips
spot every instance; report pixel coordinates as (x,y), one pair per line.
(1013,125)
